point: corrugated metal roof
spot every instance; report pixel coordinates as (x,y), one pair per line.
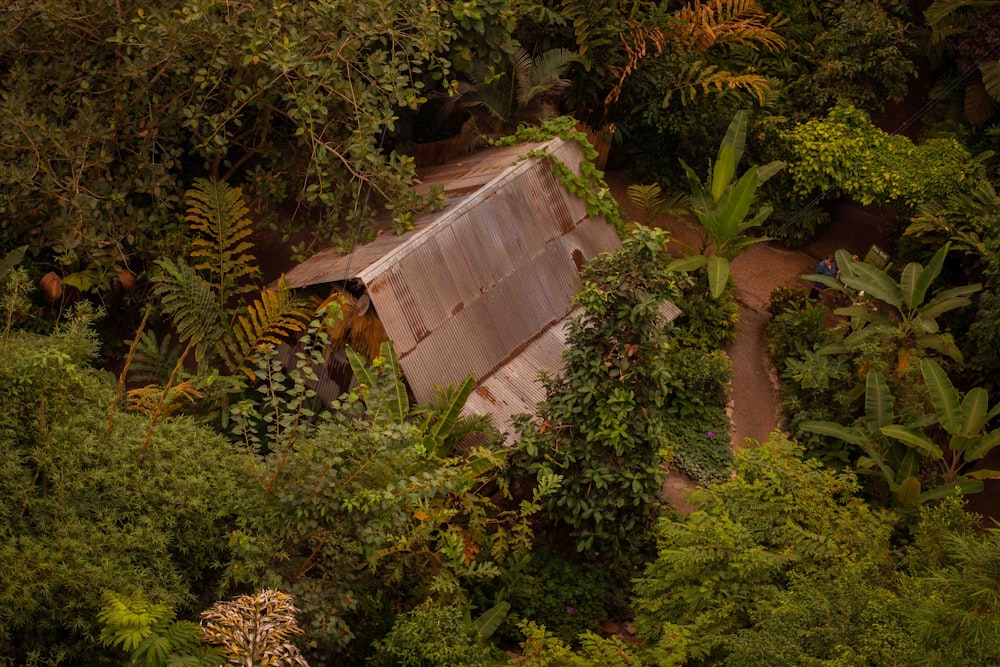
(515,388)
(485,286)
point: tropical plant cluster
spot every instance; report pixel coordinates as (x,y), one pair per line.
(173,490)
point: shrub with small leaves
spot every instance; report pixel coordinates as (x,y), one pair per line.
(430,636)
(702,447)
(567,597)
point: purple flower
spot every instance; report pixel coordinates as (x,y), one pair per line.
(710,435)
(570,610)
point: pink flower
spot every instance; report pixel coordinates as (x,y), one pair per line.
(710,434)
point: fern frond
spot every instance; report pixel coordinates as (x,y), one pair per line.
(145,400)
(701,79)
(218,213)
(274,316)
(591,19)
(726,22)
(128,621)
(639,41)
(154,359)
(190,303)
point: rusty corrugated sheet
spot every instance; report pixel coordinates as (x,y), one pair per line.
(515,387)
(484,286)
(517,246)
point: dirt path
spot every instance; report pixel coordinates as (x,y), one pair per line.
(754,402)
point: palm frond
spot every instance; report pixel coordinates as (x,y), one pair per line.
(651,200)
(218,213)
(979,106)
(991,78)
(941,10)
(544,76)
(275,315)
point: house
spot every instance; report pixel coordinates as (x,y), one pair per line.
(482,287)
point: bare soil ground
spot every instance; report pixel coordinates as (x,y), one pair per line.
(754,402)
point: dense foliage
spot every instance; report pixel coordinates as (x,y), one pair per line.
(601,426)
(83,514)
(206,507)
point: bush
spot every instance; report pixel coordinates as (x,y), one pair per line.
(80,513)
(428,636)
(797,325)
(567,597)
(705,322)
(701,381)
(702,447)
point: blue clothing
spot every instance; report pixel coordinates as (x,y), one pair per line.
(823,269)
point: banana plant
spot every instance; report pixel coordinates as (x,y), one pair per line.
(898,450)
(912,324)
(964,420)
(722,203)
(898,465)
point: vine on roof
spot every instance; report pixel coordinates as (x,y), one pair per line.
(590,184)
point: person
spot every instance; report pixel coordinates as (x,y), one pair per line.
(826,267)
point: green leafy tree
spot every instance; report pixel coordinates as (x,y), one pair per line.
(722,206)
(601,427)
(781,527)
(298,100)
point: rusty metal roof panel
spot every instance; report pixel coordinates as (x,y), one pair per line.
(470,172)
(515,388)
(329,266)
(478,288)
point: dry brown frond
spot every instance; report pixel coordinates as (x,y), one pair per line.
(703,25)
(358,327)
(255,630)
(146,399)
(637,42)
